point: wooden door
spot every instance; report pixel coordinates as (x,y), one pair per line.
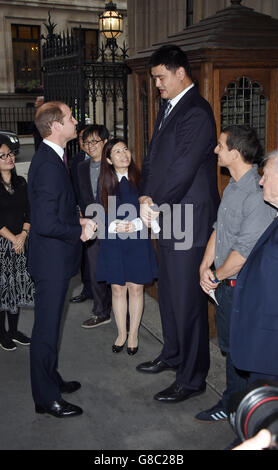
(145,111)
(246,96)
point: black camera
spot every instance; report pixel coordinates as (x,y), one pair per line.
(255,409)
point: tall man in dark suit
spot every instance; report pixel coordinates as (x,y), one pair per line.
(54,254)
(254,318)
(180,169)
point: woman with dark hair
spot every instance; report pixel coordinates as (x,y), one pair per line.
(125,262)
(16,287)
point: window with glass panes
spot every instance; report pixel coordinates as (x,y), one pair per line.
(26,57)
(90,41)
(244,102)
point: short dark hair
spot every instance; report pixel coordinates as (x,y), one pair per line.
(245,140)
(172,57)
(81,128)
(98,129)
(4,140)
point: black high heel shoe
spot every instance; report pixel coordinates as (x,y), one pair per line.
(132,351)
(117,349)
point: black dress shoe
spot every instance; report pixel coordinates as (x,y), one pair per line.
(153,367)
(79,298)
(69,387)
(60,409)
(176,393)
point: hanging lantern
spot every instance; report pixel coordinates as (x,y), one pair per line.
(111,22)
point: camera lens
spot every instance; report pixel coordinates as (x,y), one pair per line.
(256,410)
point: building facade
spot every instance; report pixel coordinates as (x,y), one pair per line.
(146,24)
(22,26)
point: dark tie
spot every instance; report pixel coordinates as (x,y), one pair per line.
(65,159)
(166,113)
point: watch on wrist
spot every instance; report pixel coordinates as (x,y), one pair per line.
(25,230)
(216,278)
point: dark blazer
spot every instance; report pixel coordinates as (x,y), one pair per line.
(100,290)
(84,182)
(78,158)
(180,167)
(254,318)
(54,243)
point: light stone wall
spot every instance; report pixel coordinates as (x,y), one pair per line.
(66,14)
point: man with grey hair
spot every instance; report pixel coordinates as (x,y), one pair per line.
(254,318)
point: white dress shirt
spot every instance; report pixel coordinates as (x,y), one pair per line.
(120,176)
(59,150)
(177,98)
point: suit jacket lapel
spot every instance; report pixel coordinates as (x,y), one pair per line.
(181,104)
(53,156)
(158,119)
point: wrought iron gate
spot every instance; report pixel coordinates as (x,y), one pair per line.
(96,91)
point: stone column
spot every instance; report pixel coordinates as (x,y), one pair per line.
(6,56)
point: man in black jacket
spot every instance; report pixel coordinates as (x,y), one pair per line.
(86,292)
(94,139)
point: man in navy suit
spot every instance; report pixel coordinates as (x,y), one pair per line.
(180,169)
(254,318)
(54,254)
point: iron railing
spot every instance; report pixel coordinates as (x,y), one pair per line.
(18,120)
(96,91)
